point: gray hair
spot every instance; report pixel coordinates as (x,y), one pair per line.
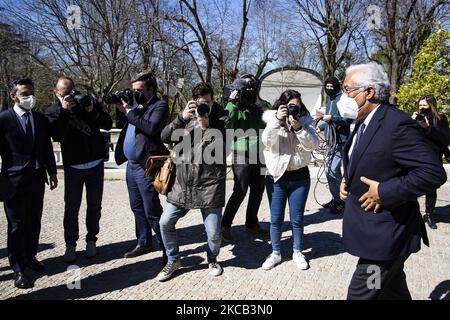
(373,75)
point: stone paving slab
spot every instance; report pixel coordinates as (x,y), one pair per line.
(109,276)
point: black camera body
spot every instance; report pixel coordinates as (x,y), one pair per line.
(126,95)
(247,92)
(80,99)
(420,117)
(296,111)
(203,109)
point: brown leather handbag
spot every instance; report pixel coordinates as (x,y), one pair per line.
(161,167)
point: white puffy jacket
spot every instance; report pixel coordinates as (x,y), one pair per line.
(286,150)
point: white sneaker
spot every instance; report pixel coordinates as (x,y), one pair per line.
(272,261)
(168,270)
(300,261)
(91,249)
(214,268)
(70,255)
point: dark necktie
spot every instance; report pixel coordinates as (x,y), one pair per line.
(359,135)
(29,128)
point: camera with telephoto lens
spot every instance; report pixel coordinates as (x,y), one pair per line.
(126,95)
(297,111)
(80,99)
(247,92)
(203,109)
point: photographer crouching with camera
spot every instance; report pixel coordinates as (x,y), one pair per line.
(245,111)
(75,121)
(437,133)
(142,116)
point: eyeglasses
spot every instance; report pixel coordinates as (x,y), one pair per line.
(348,90)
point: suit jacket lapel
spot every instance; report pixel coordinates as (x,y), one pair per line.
(365,140)
(16,120)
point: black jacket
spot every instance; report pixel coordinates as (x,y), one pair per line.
(393,152)
(18,156)
(149,124)
(79,132)
(199,185)
(438,134)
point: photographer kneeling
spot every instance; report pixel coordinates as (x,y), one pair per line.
(436,129)
(289,138)
(197,183)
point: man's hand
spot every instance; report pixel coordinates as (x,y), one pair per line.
(319,114)
(203,122)
(343,190)
(370,201)
(189,110)
(233,95)
(53,182)
(327,118)
(68,103)
(414,115)
(123,106)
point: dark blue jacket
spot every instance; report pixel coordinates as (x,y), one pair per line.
(393,152)
(149,123)
(342,125)
(18,155)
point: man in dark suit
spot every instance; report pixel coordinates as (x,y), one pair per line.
(27,156)
(387,166)
(142,121)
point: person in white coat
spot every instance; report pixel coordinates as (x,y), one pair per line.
(289,139)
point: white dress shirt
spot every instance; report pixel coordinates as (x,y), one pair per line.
(366,122)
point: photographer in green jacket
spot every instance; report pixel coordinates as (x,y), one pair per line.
(245,111)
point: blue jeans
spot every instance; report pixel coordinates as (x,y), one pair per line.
(145,203)
(74,180)
(296,192)
(211,219)
(334,174)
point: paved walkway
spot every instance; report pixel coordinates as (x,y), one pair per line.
(109,276)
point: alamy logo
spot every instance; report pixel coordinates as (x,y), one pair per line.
(374,281)
(374,20)
(73,17)
(73,281)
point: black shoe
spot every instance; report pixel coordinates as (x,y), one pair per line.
(35,265)
(138,251)
(21,281)
(329,205)
(429,220)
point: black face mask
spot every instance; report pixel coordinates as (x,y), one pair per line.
(425,111)
(140,98)
(331,92)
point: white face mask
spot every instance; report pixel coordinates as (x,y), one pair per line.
(348,107)
(27,103)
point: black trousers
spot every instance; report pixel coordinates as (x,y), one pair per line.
(379,280)
(245,176)
(24,214)
(75,180)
